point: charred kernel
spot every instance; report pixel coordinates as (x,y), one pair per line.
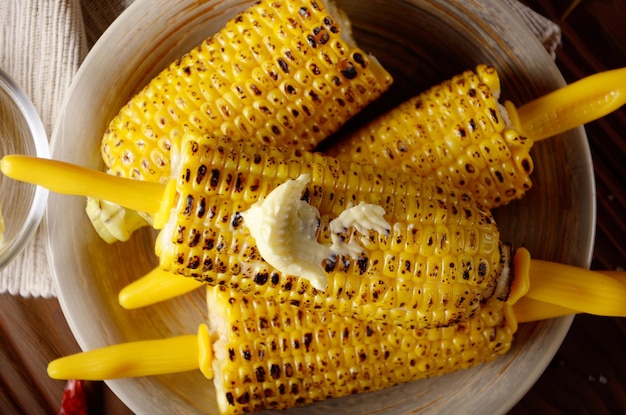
(362,264)
(244,398)
(283,65)
(308,339)
(275,278)
(194,262)
(201,173)
(275,371)
(261,278)
(358,58)
(236,220)
(260,374)
(189,202)
(215,177)
(201,209)
(349,71)
(312,41)
(195,238)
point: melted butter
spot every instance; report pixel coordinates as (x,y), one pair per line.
(285,230)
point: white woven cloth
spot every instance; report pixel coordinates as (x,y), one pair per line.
(42,44)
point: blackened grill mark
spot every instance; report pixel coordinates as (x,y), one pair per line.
(315,97)
(283,65)
(244,399)
(261,278)
(215,178)
(290,89)
(311,40)
(237,219)
(201,173)
(358,58)
(275,371)
(239,183)
(260,374)
(362,264)
(482,269)
(188,205)
(201,210)
(494,114)
(308,339)
(349,72)
(195,238)
(472,124)
(194,262)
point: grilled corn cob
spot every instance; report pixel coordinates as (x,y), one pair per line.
(282,72)
(265,356)
(539,289)
(455,132)
(459,133)
(435,262)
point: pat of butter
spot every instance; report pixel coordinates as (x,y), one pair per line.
(285,230)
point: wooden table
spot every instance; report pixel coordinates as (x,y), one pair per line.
(587,375)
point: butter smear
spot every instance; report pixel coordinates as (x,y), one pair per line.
(285,230)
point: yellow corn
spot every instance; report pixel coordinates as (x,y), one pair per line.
(281,72)
(273,357)
(263,356)
(455,132)
(285,73)
(437,260)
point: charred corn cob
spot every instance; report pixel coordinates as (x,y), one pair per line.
(455,132)
(282,72)
(264,356)
(361,241)
(540,289)
(458,133)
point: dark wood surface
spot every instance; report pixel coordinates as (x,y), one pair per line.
(587,375)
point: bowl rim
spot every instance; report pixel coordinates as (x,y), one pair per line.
(42,149)
(561,325)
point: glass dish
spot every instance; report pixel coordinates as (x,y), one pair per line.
(21,205)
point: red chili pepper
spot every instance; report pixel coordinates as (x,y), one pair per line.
(74,401)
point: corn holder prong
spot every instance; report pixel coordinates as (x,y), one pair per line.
(576,104)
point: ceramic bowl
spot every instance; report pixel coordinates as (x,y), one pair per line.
(421,43)
(21,205)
